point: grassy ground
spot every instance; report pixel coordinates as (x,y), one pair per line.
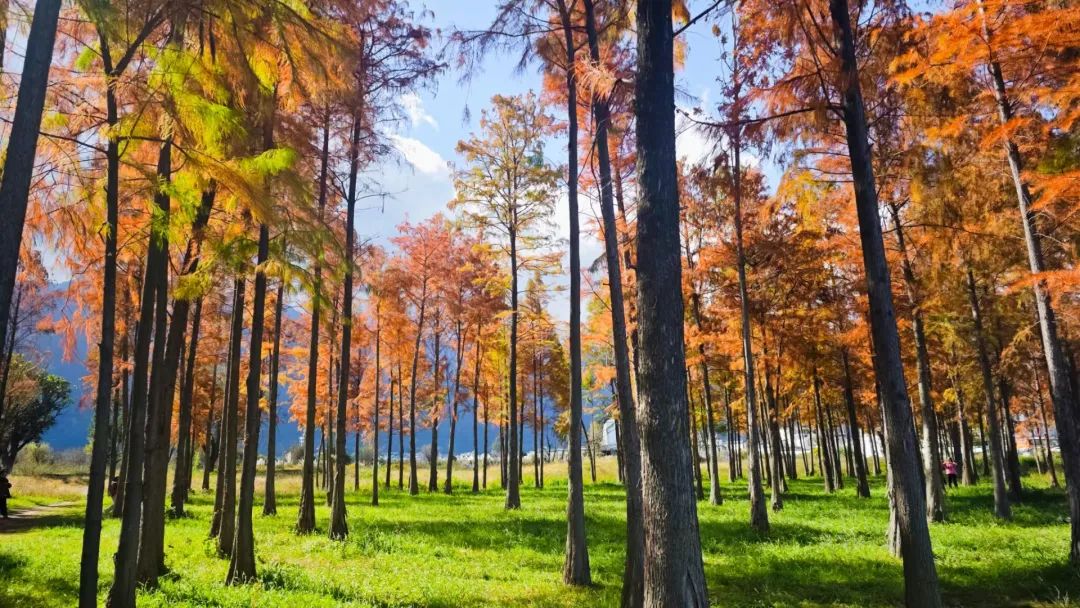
(465,550)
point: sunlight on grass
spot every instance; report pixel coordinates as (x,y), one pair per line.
(465,550)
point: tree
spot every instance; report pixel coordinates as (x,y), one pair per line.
(22,147)
(34,399)
(674,574)
(506,192)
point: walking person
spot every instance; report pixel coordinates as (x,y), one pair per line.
(950,473)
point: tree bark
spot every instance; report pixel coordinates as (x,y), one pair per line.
(1061,389)
(184,435)
(21,152)
(339,527)
(242,564)
(935,492)
(375,426)
(270,498)
(862,487)
(631,461)
(91,544)
(997,461)
(414,488)
(920,574)
(673,573)
(122,592)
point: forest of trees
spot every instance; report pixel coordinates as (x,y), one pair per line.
(878,253)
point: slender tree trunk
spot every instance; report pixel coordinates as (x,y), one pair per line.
(401,430)
(487,423)
(448,488)
(390,431)
(512,454)
(270,498)
(476,414)
(776,480)
(967,467)
(824,457)
(305,520)
(19,160)
(862,487)
(1012,457)
(414,488)
(1049,453)
(375,426)
(935,493)
(695,451)
(673,574)
(209,452)
(91,544)
(227,468)
(159,421)
(339,527)
(122,592)
(242,564)
(433,456)
(997,462)
(920,574)
(182,471)
(1061,389)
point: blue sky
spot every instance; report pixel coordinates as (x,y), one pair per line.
(419,178)
(437,120)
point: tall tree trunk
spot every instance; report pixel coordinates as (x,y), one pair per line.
(21,152)
(673,573)
(630,444)
(414,488)
(401,430)
(339,527)
(776,480)
(759,516)
(1012,457)
(375,426)
(209,450)
(389,430)
(824,455)
(242,564)
(184,435)
(159,421)
(476,414)
(305,521)
(695,451)
(230,428)
(512,455)
(448,488)
(433,455)
(1049,453)
(270,498)
(1061,389)
(862,487)
(935,492)
(122,592)
(91,543)
(967,466)
(920,574)
(997,461)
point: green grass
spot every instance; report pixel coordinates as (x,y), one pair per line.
(465,550)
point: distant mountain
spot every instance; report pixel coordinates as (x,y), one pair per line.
(72,429)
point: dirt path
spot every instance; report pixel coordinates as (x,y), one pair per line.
(24,519)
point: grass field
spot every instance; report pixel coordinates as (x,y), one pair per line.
(465,550)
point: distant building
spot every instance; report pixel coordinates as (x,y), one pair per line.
(608,442)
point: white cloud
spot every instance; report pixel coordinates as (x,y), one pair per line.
(414,107)
(420,156)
